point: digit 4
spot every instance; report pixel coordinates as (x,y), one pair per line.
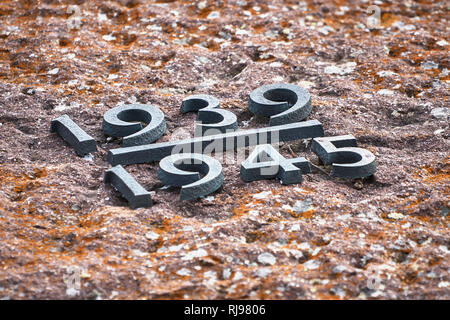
(267,163)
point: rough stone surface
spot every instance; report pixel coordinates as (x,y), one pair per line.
(55,211)
(441,113)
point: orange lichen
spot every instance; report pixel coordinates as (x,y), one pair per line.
(435,175)
(305,214)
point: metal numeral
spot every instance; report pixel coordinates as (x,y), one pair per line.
(346,159)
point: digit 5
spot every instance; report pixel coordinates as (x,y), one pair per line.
(347,160)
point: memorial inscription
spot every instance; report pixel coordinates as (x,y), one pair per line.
(216,130)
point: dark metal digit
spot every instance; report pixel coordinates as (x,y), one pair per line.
(177,170)
(267,163)
(136,195)
(210,119)
(346,159)
(74,135)
(283,103)
(124,121)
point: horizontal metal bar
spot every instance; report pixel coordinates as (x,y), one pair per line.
(221,142)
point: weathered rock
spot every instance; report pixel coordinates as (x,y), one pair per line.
(159,52)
